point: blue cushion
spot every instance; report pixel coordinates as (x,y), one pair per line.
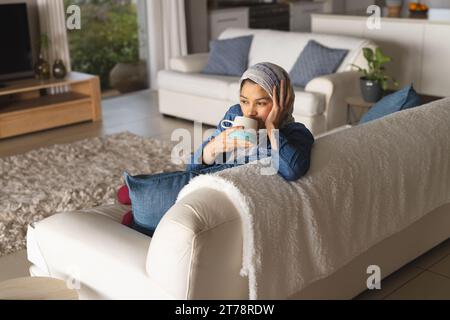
(152,195)
(315,60)
(229,56)
(403,99)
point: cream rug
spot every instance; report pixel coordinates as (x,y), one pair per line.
(65,177)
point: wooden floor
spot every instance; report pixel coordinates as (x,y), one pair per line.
(427,277)
(136,112)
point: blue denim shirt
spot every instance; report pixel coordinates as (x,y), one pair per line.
(294,150)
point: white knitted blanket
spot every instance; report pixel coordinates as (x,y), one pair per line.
(365,184)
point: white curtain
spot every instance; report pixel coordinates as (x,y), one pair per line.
(167,34)
(52,20)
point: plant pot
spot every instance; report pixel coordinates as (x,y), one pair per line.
(129,77)
(371,90)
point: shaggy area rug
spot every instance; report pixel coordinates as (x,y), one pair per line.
(74,176)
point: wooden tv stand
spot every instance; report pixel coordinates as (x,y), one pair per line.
(26,106)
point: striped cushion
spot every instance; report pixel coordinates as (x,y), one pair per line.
(228,57)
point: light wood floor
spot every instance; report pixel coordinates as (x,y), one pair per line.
(427,277)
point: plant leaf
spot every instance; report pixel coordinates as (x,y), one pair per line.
(380,57)
(368,54)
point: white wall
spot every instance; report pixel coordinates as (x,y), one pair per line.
(438,3)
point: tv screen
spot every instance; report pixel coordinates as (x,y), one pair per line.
(16,59)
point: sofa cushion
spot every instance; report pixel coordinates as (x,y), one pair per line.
(306,103)
(316,60)
(290,44)
(402,99)
(198,84)
(228,57)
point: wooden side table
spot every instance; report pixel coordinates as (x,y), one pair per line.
(356,102)
(36,288)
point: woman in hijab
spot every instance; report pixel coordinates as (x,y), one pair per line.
(267,96)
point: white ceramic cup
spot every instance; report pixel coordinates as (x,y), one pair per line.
(247,123)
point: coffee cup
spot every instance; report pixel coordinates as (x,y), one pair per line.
(239,121)
(249,125)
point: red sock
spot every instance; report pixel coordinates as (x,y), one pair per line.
(127,219)
(123,195)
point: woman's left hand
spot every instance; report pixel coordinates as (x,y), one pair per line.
(280,105)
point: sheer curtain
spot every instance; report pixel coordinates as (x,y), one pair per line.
(166,33)
(52,21)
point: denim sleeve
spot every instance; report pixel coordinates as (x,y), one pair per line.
(196,161)
(294,151)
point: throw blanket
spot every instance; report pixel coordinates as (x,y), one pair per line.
(365,184)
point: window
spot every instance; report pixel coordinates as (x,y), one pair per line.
(110,44)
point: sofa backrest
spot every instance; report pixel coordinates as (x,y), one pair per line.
(283,47)
(397,166)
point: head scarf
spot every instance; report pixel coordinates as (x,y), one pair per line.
(267,75)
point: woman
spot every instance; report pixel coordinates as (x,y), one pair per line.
(267,96)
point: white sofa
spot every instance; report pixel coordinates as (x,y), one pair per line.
(187,93)
(196,251)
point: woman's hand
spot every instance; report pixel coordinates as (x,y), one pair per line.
(223,143)
(280,106)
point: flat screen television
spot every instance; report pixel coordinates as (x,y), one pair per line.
(16,56)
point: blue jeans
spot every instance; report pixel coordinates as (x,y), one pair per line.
(153,195)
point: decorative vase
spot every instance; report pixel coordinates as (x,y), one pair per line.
(42,68)
(394,12)
(128,77)
(59,69)
(371,90)
(394,8)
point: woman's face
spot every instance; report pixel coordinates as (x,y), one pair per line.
(255,103)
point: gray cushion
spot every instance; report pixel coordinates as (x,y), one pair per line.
(314,61)
(229,56)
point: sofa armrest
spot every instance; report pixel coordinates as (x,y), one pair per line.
(190,63)
(196,250)
(336,88)
(102,255)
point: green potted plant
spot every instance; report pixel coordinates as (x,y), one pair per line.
(374,81)
(130,72)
